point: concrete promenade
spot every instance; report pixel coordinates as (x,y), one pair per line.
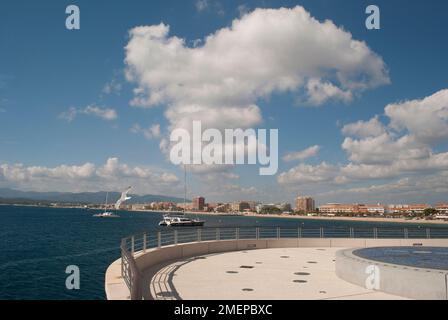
(248,269)
(266,274)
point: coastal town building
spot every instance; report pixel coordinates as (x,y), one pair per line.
(225,207)
(335,208)
(186,206)
(199,203)
(284,207)
(305,204)
(372,208)
(378,209)
(442,208)
(163,206)
(408,208)
(139,207)
(253,205)
(240,206)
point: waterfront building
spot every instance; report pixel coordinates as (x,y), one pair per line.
(419,208)
(165,206)
(284,207)
(305,204)
(263,207)
(335,208)
(240,206)
(253,205)
(442,208)
(372,208)
(408,208)
(137,207)
(186,206)
(225,207)
(199,203)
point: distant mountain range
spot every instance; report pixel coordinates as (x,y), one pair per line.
(82,197)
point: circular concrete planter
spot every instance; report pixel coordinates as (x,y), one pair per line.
(404,281)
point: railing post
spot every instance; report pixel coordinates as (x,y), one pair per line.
(406,235)
(321,232)
(175,237)
(278,233)
(122,248)
(218,234)
(375,233)
(257,233)
(237,233)
(132,245)
(159,239)
(352,232)
(199,235)
(299,232)
(144,242)
(428,233)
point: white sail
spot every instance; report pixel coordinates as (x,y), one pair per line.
(124,197)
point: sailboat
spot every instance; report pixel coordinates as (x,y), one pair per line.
(124,197)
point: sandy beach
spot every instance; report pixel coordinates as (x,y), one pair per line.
(367,219)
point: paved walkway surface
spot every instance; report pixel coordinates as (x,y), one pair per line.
(265,274)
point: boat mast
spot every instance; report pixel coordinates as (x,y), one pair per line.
(185,188)
(105,206)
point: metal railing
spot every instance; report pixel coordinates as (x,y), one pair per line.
(174,236)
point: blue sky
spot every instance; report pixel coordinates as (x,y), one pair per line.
(46,69)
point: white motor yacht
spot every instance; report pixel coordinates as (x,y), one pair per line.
(180,221)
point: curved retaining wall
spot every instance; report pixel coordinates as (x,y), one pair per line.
(404,281)
(116,288)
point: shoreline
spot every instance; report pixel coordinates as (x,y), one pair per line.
(265,216)
(319,218)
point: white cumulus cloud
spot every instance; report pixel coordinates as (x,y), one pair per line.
(426,119)
(111,175)
(107,114)
(303,154)
(405,148)
(304,173)
(265,51)
(364,129)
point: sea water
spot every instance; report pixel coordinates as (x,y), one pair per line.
(37,244)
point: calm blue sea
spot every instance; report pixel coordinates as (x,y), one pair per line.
(37,244)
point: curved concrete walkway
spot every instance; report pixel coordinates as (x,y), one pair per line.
(264,274)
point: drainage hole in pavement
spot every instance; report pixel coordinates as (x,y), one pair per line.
(232,272)
(302,274)
(312,262)
(300,281)
(246,267)
(248,289)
